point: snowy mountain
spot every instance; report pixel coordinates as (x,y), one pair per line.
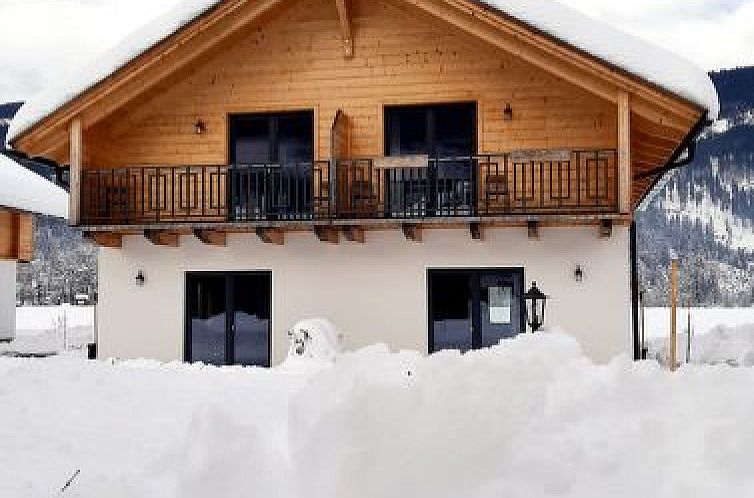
(705,212)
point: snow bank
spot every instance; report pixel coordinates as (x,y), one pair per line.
(27,191)
(630,53)
(723,345)
(530,418)
(703,320)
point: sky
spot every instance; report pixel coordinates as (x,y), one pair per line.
(41,39)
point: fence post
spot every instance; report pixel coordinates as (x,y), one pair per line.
(673,315)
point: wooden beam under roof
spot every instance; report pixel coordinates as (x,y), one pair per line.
(344,14)
(329,234)
(355,234)
(211,237)
(112,240)
(274,236)
(412,232)
(163,238)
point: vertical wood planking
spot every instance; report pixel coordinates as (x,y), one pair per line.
(76,160)
(624,152)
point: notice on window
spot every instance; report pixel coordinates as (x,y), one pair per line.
(500,305)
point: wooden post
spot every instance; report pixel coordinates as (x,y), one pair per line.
(673,316)
(76,159)
(624,152)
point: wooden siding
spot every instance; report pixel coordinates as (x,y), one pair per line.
(16,235)
(400,56)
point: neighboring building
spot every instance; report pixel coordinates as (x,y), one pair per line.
(405,168)
(22,193)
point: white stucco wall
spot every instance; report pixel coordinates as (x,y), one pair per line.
(7,300)
(375,292)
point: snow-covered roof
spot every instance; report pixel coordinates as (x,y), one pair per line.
(630,53)
(645,60)
(27,191)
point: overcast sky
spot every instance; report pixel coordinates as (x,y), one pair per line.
(39,39)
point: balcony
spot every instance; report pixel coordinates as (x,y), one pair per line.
(403,188)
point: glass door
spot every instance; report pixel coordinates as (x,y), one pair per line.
(271,156)
(446,133)
(228,318)
(474,308)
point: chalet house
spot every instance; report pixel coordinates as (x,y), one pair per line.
(404,168)
(22,193)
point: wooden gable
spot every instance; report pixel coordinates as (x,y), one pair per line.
(246,56)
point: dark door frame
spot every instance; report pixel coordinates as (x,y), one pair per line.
(476,338)
(229,305)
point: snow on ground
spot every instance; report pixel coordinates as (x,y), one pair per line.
(703,320)
(530,418)
(47,330)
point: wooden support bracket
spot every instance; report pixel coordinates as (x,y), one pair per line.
(163,238)
(476,231)
(105,239)
(274,236)
(328,234)
(354,234)
(533,228)
(345,27)
(606,229)
(412,232)
(211,237)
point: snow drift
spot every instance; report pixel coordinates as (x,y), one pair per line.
(529,418)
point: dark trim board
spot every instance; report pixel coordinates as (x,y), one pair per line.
(229,344)
(476,334)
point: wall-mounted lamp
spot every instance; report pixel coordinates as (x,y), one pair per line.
(140,278)
(200,127)
(508,113)
(578,274)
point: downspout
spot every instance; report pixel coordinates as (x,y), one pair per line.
(689,146)
(635,290)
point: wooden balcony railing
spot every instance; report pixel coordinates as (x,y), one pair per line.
(416,187)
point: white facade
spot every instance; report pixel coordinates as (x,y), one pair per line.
(7,300)
(373,292)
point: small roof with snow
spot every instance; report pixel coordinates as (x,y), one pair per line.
(27,191)
(644,60)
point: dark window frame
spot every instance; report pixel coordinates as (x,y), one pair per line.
(431,109)
(273,116)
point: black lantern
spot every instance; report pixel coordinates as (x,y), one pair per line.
(534,306)
(140,278)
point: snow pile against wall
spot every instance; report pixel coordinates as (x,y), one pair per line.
(647,61)
(532,417)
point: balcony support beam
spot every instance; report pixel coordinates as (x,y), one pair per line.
(328,234)
(345,27)
(275,236)
(354,234)
(412,233)
(211,237)
(533,229)
(105,239)
(606,229)
(477,231)
(163,238)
